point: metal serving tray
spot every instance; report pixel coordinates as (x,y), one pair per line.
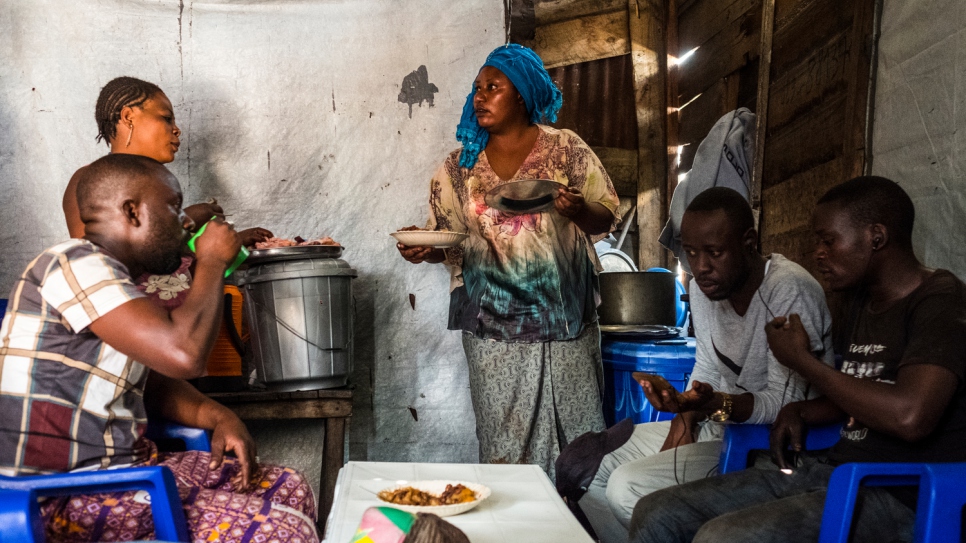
(261,256)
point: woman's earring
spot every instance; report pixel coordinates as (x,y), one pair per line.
(129,134)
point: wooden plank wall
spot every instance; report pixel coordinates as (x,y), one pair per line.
(818,82)
(609,60)
(817,98)
(721,75)
(815,135)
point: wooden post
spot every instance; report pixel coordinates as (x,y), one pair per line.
(761,121)
(861,93)
(333,454)
(673,137)
(647,25)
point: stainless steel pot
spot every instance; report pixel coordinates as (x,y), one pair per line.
(637,298)
(299,305)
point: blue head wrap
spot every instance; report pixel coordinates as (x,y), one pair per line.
(525,70)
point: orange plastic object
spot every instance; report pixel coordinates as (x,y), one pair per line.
(225,360)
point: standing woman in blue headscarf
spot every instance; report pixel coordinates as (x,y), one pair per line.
(524,286)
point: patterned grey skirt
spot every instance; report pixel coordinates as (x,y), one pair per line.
(532,399)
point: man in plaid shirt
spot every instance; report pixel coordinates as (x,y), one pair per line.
(85,357)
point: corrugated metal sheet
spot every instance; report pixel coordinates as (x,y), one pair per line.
(599,101)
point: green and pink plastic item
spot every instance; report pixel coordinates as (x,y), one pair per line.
(242,254)
(391,525)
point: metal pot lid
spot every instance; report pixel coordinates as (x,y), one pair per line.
(649,331)
(261,256)
(296,268)
(527,196)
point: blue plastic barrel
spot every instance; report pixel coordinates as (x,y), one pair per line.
(623,396)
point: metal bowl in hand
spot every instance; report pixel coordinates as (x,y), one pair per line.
(527,196)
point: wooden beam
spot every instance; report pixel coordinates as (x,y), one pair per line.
(735,45)
(701,114)
(554,11)
(621,166)
(647,26)
(805,143)
(521,21)
(788,206)
(581,40)
(761,122)
(295,409)
(861,93)
(698,25)
(797,246)
(818,79)
(673,117)
(683,6)
(333,454)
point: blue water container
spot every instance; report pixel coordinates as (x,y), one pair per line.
(623,396)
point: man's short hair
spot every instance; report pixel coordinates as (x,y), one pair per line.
(875,200)
(111,176)
(734,205)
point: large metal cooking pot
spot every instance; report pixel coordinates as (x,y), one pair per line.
(299,305)
(638,298)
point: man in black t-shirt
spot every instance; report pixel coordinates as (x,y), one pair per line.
(901,391)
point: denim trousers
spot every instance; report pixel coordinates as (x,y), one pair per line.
(639,467)
(764,506)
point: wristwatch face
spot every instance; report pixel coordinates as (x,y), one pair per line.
(724,413)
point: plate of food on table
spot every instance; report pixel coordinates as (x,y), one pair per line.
(442,498)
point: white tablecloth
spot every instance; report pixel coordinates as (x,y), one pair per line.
(524,505)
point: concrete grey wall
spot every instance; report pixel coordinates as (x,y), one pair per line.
(292,120)
(919,136)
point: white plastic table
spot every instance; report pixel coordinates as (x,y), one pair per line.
(523,506)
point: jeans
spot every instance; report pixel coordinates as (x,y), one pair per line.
(763,506)
(638,468)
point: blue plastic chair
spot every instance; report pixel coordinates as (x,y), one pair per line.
(194,439)
(941,486)
(20,513)
(942,496)
(741,439)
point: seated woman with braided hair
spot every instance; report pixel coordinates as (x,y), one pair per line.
(134,117)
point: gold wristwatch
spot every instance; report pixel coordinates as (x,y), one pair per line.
(724,412)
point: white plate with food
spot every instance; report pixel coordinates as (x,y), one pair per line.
(429,238)
(442,498)
(527,196)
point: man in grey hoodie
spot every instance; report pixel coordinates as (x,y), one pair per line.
(734,293)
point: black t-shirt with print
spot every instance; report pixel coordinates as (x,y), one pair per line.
(926,327)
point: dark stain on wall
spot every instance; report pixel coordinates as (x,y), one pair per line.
(416,89)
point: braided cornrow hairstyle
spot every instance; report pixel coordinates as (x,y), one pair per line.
(119,93)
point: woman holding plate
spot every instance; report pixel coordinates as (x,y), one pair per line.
(524,283)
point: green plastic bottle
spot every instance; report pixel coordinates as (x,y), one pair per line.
(242,254)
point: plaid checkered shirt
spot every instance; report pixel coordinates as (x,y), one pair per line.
(68,400)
